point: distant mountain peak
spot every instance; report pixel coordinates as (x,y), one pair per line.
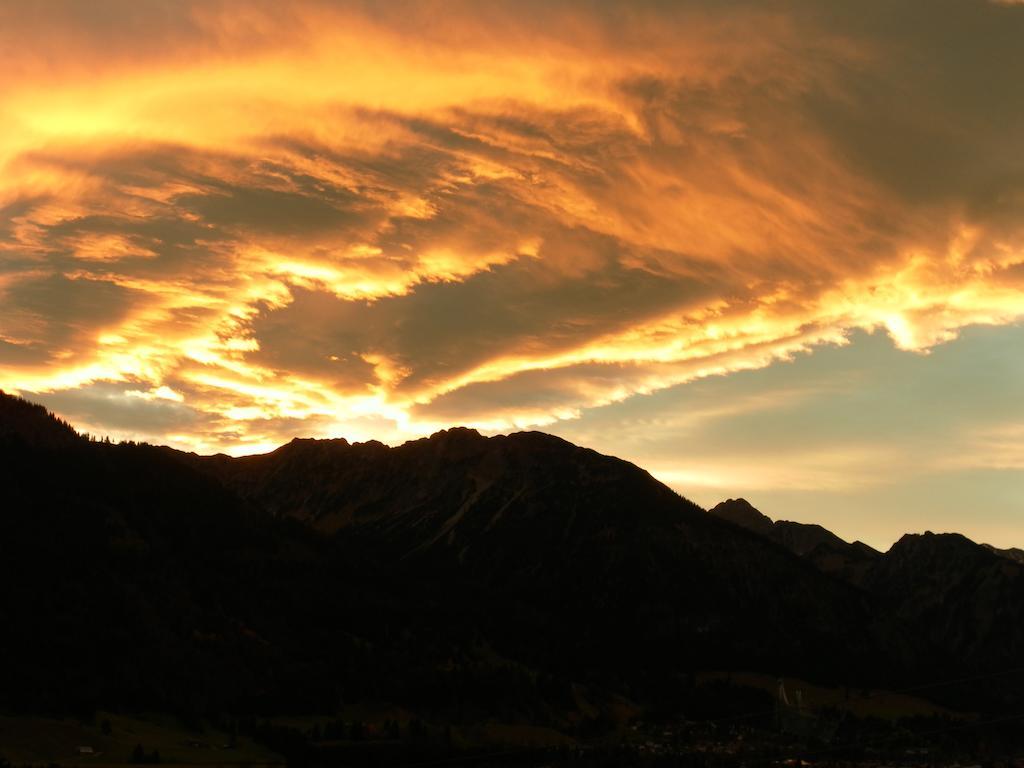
(742,513)
(929,539)
(1013,553)
(310,440)
(453,433)
(946,549)
(815,544)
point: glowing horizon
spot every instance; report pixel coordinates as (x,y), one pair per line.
(226,223)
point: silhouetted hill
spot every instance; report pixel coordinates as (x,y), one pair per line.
(518,577)
(819,546)
(31,423)
(595,563)
(127,578)
(967,600)
(740,512)
(1013,553)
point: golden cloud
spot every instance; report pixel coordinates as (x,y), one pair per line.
(335,217)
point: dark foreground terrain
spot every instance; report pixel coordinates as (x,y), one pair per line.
(511,600)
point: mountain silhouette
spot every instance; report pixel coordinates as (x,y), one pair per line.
(827,552)
(519,577)
(562,537)
(32,424)
(1013,553)
(966,599)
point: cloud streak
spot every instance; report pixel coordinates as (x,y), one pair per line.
(376,220)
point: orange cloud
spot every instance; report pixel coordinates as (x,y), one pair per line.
(339,217)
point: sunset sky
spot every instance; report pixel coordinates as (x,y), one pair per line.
(762,249)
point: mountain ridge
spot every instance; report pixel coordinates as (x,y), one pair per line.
(830,554)
(329,570)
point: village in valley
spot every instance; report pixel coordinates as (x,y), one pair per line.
(795,731)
